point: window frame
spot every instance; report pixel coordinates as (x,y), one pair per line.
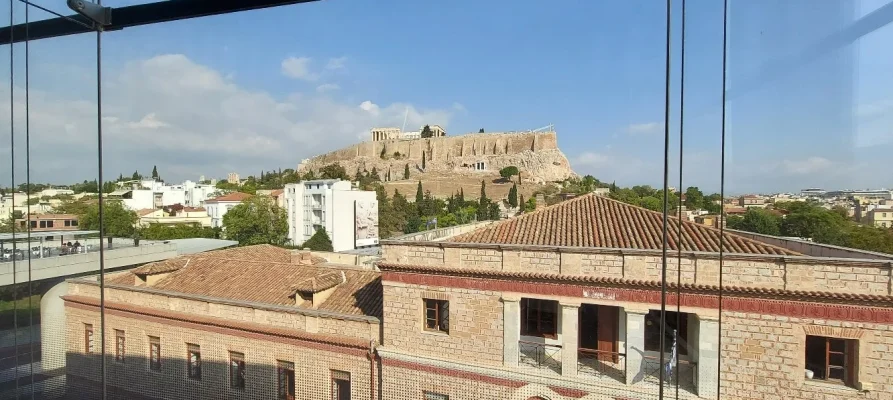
(237,373)
(339,378)
(441,319)
(88,339)
(285,390)
(154,353)
(849,354)
(120,346)
(539,305)
(682,337)
(194,368)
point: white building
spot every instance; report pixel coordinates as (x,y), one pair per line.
(218,206)
(150,194)
(349,215)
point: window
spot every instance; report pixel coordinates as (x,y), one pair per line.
(120,345)
(236,370)
(74,222)
(43,224)
(286,380)
(652,331)
(67,222)
(34,224)
(194,359)
(436,396)
(88,338)
(832,359)
(437,315)
(539,317)
(154,353)
(340,385)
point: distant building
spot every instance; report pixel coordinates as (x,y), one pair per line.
(813,192)
(751,201)
(880,217)
(379,134)
(349,216)
(233,178)
(174,215)
(145,194)
(218,206)
(49,222)
(711,220)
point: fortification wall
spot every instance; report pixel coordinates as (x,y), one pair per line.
(536,154)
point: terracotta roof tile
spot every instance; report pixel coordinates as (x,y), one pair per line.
(263,274)
(598,221)
(235,196)
(318,283)
(145,211)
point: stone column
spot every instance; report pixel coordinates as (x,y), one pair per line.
(511,329)
(635,345)
(708,354)
(569,338)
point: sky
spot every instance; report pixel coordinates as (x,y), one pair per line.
(262,90)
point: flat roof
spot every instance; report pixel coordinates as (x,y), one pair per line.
(24,235)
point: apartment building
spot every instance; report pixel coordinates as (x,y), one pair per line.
(881,217)
(174,215)
(146,194)
(751,200)
(563,303)
(349,215)
(217,207)
(255,322)
(49,222)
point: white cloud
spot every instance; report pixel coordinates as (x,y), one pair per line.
(805,166)
(327,87)
(591,159)
(336,64)
(645,128)
(187,119)
(459,107)
(298,68)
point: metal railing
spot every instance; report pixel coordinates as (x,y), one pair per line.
(685,372)
(601,364)
(539,355)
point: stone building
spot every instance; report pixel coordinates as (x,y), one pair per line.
(561,303)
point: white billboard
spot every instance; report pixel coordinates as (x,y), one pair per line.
(366,223)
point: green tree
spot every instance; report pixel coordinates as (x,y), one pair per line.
(406,171)
(136,176)
(320,241)
(426,132)
(694,198)
(652,203)
(334,171)
(257,220)
(757,220)
(513,196)
(118,221)
(423,161)
(483,211)
(384,152)
(530,205)
(419,194)
(521,203)
(508,172)
(155,173)
(493,211)
(481,130)
(374,174)
(177,231)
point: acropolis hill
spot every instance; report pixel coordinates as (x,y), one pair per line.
(452,162)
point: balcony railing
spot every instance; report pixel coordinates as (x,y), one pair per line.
(686,372)
(601,365)
(542,356)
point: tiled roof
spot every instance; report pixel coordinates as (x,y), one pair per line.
(234,197)
(145,211)
(263,274)
(598,221)
(318,283)
(875,299)
(277,192)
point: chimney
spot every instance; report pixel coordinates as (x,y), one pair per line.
(302,258)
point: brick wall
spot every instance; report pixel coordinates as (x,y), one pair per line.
(475,331)
(763,358)
(481,258)
(410,383)
(312,366)
(608,265)
(540,261)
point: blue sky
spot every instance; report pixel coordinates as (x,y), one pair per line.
(265,89)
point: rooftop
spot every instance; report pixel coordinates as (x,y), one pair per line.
(234,197)
(598,221)
(264,274)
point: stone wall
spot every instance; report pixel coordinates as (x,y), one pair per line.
(763,358)
(313,366)
(475,324)
(536,154)
(849,276)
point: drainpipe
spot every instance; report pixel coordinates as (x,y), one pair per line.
(371,356)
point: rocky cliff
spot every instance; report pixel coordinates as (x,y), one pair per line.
(536,155)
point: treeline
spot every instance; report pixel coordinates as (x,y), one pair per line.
(810,220)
